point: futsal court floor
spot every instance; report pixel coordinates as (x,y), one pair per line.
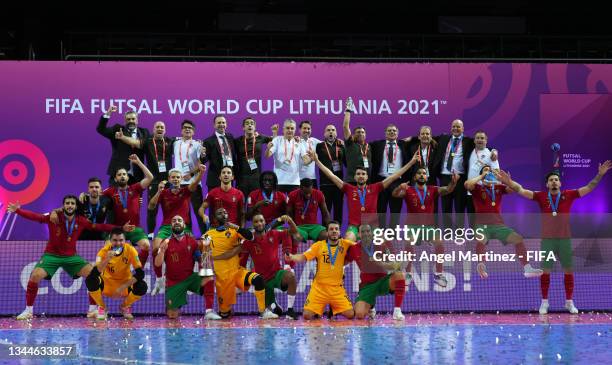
(557,338)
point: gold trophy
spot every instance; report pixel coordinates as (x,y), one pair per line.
(206,265)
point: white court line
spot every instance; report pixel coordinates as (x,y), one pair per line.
(6,219)
(8,235)
(111,359)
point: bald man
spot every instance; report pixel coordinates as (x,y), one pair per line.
(332,154)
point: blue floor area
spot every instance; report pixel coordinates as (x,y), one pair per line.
(453,344)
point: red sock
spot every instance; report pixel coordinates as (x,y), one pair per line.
(545,284)
(568,280)
(439,266)
(209,295)
(521,252)
(31,293)
(91,300)
(143,256)
(400,289)
(157,269)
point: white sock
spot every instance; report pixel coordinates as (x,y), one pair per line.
(30,308)
(397,309)
(290,301)
(92,307)
(208,310)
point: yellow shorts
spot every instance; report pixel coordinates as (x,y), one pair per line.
(110,286)
(226,285)
(321,295)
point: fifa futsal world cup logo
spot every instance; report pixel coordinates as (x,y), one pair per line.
(555,147)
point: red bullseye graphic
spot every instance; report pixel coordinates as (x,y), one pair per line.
(22,161)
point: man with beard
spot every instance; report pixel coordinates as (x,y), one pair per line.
(487,193)
(94,206)
(267,200)
(180,252)
(327,286)
(111,276)
(225,242)
(218,151)
(362,200)
(263,249)
(307,144)
(174,201)
(126,205)
(287,154)
(158,151)
(373,279)
(224,196)
(555,205)
(61,247)
(331,154)
(248,152)
(420,201)
(358,152)
(121,151)
(303,206)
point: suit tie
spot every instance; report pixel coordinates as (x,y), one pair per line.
(449,162)
(226,150)
(390,150)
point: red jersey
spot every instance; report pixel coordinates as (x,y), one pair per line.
(486,212)
(179,259)
(370,270)
(60,242)
(232,200)
(556,226)
(354,203)
(264,251)
(175,204)
(298,202)
(417,215)
(131,211)
(270,211)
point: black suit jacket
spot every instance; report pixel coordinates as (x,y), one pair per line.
(378,154)
(443,140)
(434,170)
(215,159)
(121,151)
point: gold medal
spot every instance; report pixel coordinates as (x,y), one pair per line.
(124,210)
(363,209)
(302,216)
(423,207)
(554,214)
(69,238)
(492,204)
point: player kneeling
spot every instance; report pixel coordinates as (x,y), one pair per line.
(327,286)
(374,280)
(180,253)
(111,276)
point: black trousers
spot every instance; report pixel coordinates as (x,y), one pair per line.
(248,184)
(385,199)
(152,213)
(469,205)
(196,203)
(457,200)
(334,200)
(287,188)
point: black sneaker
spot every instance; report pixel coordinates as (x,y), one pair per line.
(291,314)
(277,310)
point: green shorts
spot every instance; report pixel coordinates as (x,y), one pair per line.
(165,231)
(136,235)
(274,283)
(310,231)
(71,264)
(496,232)
(176,295)
(561,247)
(354,230)
(370,291)
(423,234)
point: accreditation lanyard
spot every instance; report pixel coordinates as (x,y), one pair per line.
(364,153)
(186,153)
(292,143)
(332,259)
(454,148)
(163,150)
(246,152)
(329,154)
(554,205)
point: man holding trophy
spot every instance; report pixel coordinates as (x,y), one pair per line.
(180,252)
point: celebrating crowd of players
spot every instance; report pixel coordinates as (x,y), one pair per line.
(370,176)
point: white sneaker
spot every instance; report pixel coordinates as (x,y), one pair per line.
(92,313)
(482,270)
(101,316)
(372,313)
(267,314)
(441,280)
(160,283)
(151,236)
(544,306)
(25,315)
(398,315)
(569,305)
(288,267)
(530,272)
(212,316)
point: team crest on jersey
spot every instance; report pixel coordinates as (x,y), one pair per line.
(227,234)
(484,195)
(270,239)
(189,248)
(233,199)
(124,260)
